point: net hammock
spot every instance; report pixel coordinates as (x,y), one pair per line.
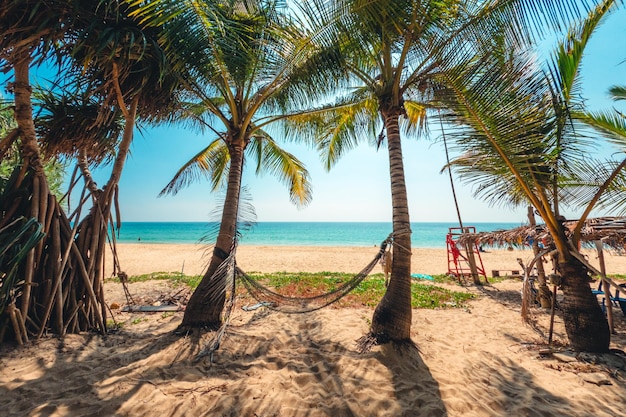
(223,283)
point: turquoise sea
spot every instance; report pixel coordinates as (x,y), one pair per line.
(425,235)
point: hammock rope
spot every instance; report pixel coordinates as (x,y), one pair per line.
(225,277)
(299,305)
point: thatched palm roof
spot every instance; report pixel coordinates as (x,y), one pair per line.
(610,230)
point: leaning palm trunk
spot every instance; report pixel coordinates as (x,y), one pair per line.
(392,317)
(585,324)
(205,305)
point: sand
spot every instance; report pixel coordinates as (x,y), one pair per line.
(142,258)
(476,361)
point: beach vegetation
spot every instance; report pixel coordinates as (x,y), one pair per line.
(520,140)
(29,33)
(309,284)
(54,167)
(109,67)
(114,325)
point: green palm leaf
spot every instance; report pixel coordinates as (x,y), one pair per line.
(16,240)
(211,162)
(271,158)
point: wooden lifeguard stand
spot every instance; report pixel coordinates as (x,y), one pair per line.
(465,265)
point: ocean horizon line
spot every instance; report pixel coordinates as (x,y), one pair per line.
(470,223)
(360,234)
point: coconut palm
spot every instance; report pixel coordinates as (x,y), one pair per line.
(247,57)
(392,53)
(514,124)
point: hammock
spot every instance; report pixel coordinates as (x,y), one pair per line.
(296,305)
(225,277)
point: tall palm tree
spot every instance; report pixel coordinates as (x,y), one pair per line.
(521,145)
(248,56)
(392,52)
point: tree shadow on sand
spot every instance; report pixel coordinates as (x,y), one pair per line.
(415,388)
(314,374)
(63,376)
(501,387)
(270,365)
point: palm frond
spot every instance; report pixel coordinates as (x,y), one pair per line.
(70,121)
(618,92)
(211,162)
(271,158)
(610,124)
(16,240)
(246,215)
(588,176)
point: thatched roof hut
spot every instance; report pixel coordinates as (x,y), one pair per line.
(609,230)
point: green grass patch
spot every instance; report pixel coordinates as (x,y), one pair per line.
(308,284)
(368,293)
(617,277)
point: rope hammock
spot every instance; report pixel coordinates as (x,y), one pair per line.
(225,277)
(297,305)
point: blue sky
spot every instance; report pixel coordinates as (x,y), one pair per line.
(357,188)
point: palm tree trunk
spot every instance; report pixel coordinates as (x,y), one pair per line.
(392,317)
(205,305)
(92,238)
(585,324)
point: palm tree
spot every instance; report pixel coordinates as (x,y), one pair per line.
(126,72)
(521,145)
(247,58)
(29,31)
(392,53)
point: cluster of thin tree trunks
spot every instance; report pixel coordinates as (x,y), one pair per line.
(62,287)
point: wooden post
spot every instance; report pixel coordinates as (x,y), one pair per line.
(606,286)
(541,273)
(469,250)
(552,316)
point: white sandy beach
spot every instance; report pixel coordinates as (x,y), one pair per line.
(477,361)
(142,258)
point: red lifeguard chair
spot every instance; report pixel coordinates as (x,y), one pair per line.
(460,265)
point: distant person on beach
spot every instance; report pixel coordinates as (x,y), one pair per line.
(139,239)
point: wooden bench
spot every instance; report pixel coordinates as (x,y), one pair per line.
(505,273)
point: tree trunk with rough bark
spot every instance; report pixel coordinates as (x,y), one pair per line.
(58,294)
(392,317)
(586,326)
(204,309)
